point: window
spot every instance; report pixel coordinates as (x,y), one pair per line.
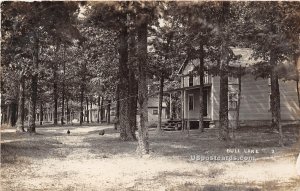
(191,102)
(155,112)
(233,80)
(206,78)
(232,105)
(232,96)
(191,80)
(232,100)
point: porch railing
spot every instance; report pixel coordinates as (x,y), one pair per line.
(207,79)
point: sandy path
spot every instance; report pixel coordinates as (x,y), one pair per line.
(73,166)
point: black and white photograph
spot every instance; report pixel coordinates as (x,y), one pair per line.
(150,95)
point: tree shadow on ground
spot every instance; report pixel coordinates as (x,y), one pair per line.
(107,131)
(183,144)
(178,143)
(108,146)
(50,125)
(192,187)
(292,184)
(20,151)
(263,136)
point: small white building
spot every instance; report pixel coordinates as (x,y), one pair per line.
(153,110)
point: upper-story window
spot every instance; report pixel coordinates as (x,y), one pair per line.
(233,80)
(232,100)
(191,80)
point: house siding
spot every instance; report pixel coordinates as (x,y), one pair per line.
(255,99)
(154,118)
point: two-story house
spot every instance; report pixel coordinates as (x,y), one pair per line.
(254,102)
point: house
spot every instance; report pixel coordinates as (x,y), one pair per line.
(255,97)
(153,110)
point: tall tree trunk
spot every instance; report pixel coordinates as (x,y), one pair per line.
(98,111)
(201,91)
(81,102)
(275,98)
(124,120)
(14,113)
(133,85)
(8,113)
(239,98)
(87,110)
(143,142)
(55,88)
(298,92)
(160,100)
(224,60)
(101,110)
(63,95)
(108,111)
(34,84)
(82,89)
(68,111)
(3,114)
(55,98)
(223,111)
(91,113)
(182,97)
(41,113)
(174,106)
(296,58)
(33,99)
(117,116)
(133,91)
(272,106)
(21,106)
(273,92)
(32,110)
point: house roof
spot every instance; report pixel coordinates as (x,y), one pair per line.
(244,61)
(183,65)
(153,102)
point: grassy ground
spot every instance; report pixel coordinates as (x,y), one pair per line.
(85,160)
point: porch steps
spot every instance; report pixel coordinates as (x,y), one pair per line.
(172,125)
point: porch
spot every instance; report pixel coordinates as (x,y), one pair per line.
(190,99)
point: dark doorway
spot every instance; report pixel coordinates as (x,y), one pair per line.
(195,124)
